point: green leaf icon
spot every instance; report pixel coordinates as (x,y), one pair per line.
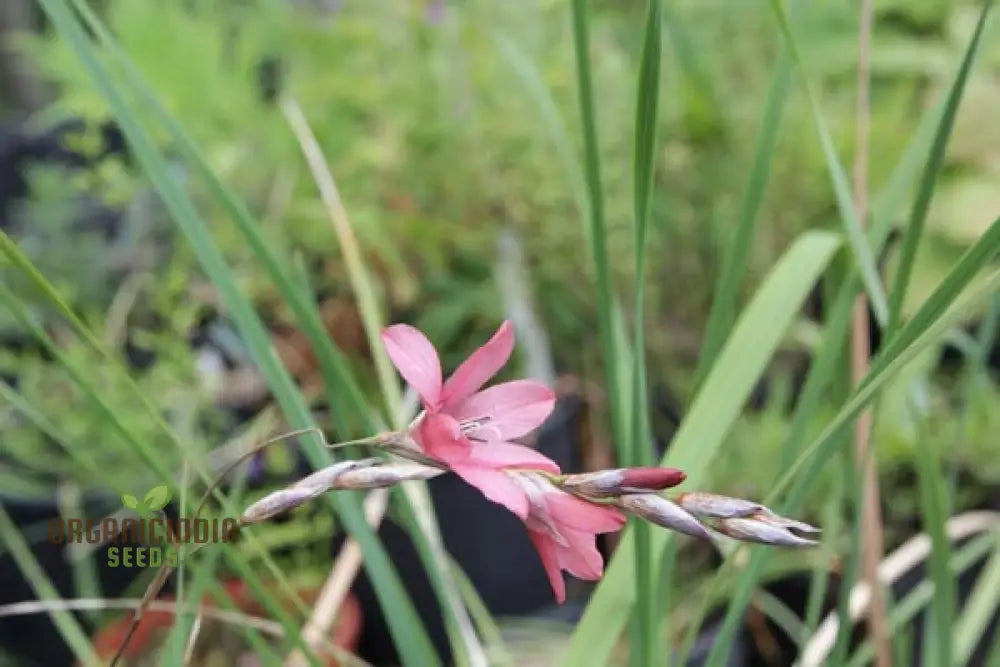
(130,501)
(157,497)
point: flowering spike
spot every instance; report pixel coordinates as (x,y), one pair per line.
(763,532)
(612,483)
(662,512)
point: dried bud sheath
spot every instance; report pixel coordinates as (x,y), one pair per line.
(619,481)
(378,476)
(662,512)
(751,515)
(718,507)
(762,532)
(326,478)
(747,521)
(363,474)
(278,502)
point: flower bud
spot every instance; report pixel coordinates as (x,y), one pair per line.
(762,531)
(326,478)
(712,506)
(382,475)
(278,502)
(767,516)
(370,473)
(611,483)
(662,512)
(718,507)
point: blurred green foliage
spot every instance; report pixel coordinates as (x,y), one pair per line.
(437,144)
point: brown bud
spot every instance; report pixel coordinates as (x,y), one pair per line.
(662,512)
(612,483)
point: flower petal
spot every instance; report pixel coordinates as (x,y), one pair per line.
(550,561)
(440,437)
(510,409)
(578,514)
(581,557)
(416,360)
(496,486)
(479,367)
(510,455)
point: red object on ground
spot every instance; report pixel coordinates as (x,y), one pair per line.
(156,623)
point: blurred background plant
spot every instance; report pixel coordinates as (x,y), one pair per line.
(453,128)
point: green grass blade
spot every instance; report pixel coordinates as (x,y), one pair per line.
(883,211)
(424,527)
(332,365)
(641,454)
(64,621)
(337,377)
(757,334)
(555,125)
(931,319)
(408,631)
(841,188)
(113,416)
(918,214)
(939,313)
(820,579)
(783,616)
(147,453)
(934,508)
(980,608)
(724,301)
(825,366)
(595,211)
(920,596)
(357,272)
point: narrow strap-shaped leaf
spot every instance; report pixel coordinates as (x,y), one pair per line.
(597,236)
(640,451)
(734,262)
(918,214)
(841,188)
(757,334)
(405,625)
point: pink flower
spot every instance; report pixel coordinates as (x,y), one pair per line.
(563,529)
(467,429)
